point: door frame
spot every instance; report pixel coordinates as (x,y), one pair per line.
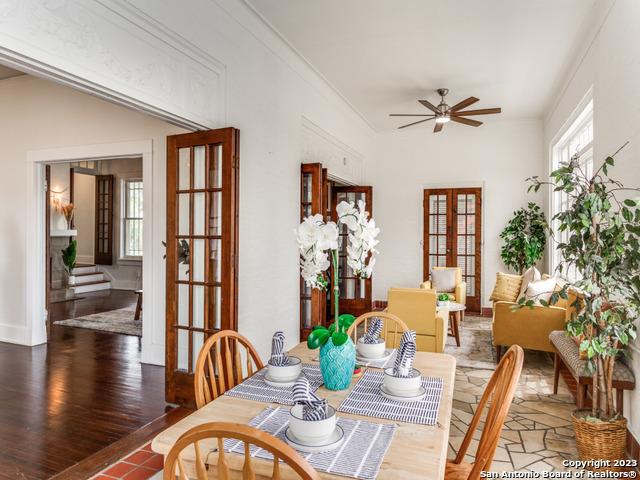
(152,337)
(443,185)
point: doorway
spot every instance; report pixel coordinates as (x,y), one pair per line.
(452,236)
(320,193)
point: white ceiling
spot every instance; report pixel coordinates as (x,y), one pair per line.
(6,72)
(383,55)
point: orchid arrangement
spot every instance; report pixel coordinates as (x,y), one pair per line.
(317,240)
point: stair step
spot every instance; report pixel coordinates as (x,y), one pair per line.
(92,286)
(81,269)
(86,278)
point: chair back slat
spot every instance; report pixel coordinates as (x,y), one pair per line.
(391,322)
(498,395)
(219,365)
(246,434)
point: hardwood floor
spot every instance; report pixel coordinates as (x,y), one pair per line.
(64,401)
(93,302)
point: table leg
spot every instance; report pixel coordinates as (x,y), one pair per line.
(455,326)
(138,307)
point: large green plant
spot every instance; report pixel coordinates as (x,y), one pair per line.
(524,238)
(69,256)
(603,249)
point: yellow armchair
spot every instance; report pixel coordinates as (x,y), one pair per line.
(417,308)
(459,293)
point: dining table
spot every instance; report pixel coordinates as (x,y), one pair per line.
(416,451)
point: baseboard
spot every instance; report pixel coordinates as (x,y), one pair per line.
(633,449)
(486,312)
(13,334)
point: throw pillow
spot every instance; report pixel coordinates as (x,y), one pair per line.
(444,281)
(507,288)
(531,274)
(541,290)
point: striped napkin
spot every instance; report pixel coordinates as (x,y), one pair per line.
(373,332)
(313,407)
(405,355)
(278,356)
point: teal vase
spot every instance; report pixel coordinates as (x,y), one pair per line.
(337,364)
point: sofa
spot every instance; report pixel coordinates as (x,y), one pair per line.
(417,308)
(528,327)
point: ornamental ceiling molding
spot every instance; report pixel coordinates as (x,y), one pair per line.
(114,50)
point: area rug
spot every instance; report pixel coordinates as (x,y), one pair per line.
(115,321)
(476,344)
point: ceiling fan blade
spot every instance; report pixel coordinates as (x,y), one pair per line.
(411,115)
(466,121)
(464,104)
(482,111)
(414,123)
(438,127)
(429,105)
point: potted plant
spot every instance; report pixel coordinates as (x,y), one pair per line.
(317,240)
(602,251)
(69,260)
(444,300)
(524,238)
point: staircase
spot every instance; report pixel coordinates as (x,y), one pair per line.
(86,278)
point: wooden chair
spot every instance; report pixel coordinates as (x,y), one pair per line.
(391,332)
(219,366)
(500,389)
(219,431)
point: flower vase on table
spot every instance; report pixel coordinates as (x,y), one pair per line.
(317,240)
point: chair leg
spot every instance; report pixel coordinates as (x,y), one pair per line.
(557,364)
(498,353)
(138,307)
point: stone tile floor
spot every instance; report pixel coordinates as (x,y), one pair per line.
(537,435)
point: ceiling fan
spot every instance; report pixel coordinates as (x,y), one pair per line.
(443,113)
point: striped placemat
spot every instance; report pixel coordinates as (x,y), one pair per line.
(255,388)
(366,399)
(386,363)
(360,455)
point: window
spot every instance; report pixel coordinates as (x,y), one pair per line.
(132,219)
(577,139)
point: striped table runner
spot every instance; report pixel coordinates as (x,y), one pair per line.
(255,388)
(365,399)
(360,455)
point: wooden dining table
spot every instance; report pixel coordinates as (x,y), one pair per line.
(416,451)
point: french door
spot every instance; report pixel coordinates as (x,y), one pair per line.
(355,293)
(453,236)
(202,249)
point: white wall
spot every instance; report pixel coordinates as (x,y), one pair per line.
(39,115)
(498,156)
(610,63)
(218,64)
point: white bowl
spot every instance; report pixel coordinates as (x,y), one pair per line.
(405,386)
(285,373)
(371,350)
(312,432)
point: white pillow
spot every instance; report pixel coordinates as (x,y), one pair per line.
(541,290)
(531,274)
(444,280)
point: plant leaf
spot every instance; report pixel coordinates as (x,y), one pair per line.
(339,338)
(317,338)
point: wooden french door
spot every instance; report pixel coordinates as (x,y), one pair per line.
(103,251)
(202,249)
(312,301)
(355,293)
(453,236)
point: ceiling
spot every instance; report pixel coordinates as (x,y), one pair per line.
(6,72)
(383,55)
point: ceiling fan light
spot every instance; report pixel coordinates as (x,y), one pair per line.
(443,119)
